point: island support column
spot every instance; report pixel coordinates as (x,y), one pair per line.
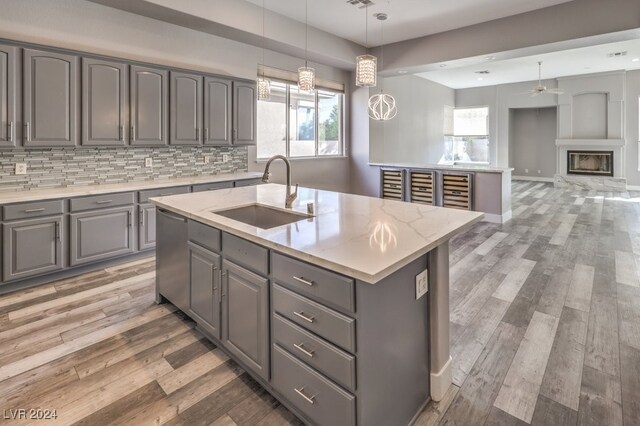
(440,359)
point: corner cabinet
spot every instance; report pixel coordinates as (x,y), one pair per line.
(244,113)
(105,102)
(51,99)
(10,95)
(186,109)
(149,106)
(217,111)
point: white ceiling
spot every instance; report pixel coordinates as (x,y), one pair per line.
(586,60)
(407,18)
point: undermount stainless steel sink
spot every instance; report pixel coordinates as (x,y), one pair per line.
(261,216)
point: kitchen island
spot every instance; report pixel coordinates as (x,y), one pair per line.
(327,309)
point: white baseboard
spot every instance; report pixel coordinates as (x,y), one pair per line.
(633,187)
(496,218)
(533,178)
(441,381)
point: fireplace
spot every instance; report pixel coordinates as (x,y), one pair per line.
(593,163)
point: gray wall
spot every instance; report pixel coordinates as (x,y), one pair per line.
(416,134)
(364,178)
(533,144)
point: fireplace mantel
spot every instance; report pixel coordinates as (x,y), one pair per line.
(602,143)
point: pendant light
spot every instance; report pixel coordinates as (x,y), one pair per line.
(366,65)
(263,85)
(306,75)
(382,106)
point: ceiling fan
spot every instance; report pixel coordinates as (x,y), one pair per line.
(541,89)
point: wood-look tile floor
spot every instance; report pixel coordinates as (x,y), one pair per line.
(545,330)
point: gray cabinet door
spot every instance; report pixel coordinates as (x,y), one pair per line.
(9,96)
(149,106)
(217,111)
(186,109)
(51,114)
(205,280)
(32,247)
(105,100)
(146,226)
(245,317)
(244,113)
(101,234)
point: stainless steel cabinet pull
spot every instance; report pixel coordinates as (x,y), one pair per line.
(170,216)
(165,194)
(34,210)
(300,347)
(140,217)
(104,202)
(206,133)
(28,131)
(121,133)
(303,281)
(10,130)
(133,133)
(300,392)
(303,316)
(235,134)
(197,134)
(129,219)
(58,231)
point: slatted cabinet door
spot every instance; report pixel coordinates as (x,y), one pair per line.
(392,184)
(422,188)
(456,191)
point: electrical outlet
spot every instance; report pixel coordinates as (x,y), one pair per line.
(148,162)
(21,168)
(422,283)
(225,158)
(207,159)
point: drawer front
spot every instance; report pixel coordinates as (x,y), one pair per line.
(319,399)
(316,283)
(327,323)
(29,210)
(102,201)
(324,357)
(212,186)
(248,182)
(162,192)
(204,235)
(245,253)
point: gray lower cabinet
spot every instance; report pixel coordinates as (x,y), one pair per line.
(245,317)
(186,109)
(101,234)
(149,106)
(146,226)
(105,102)
(217,111)
(32,247)
(244,113)
(10,95)
(51,99)
(248,182)
(205,280)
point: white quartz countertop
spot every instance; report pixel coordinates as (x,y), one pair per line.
(456,167)
(79,190)
(362,237)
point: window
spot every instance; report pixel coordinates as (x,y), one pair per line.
(298,124)
(466,135)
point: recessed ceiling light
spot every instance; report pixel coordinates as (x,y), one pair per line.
(635,60)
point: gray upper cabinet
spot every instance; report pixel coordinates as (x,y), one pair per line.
(105,100)
(217,111)
(186,109)
(9,96)
(245,317)
(51,115)
(205,287)
(32,247)
(149,106)
(101,234)
(244,113)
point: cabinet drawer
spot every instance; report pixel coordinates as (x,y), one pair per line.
(248,182)
(212,186)
(324,357)
(204,235)
(319,399)
(101,201)
(318,284)
(327,323)
(162,192)
(246,254)
(28,210)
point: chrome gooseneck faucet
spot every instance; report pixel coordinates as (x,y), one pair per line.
(291,196)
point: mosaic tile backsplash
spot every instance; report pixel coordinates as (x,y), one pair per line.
(58,167)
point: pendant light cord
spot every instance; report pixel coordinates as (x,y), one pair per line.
(263,39)
(306,33)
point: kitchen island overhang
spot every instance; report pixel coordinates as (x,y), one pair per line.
(382,246)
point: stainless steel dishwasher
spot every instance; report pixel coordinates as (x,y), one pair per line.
(172,259)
